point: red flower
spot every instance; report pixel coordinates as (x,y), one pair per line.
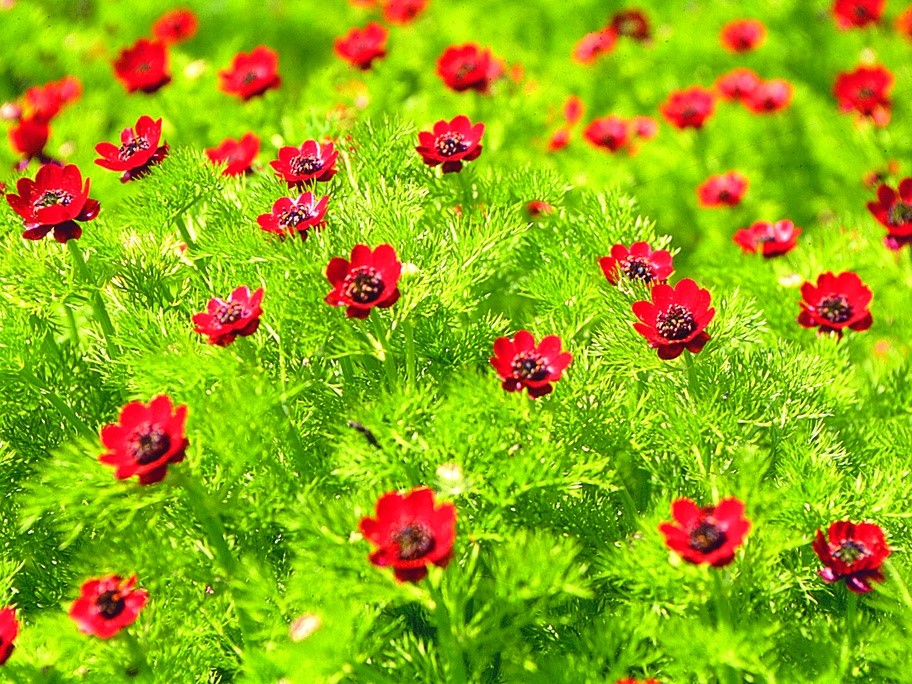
(573,110)
(175,26)
(644,127)
(688,108)
(450,143)
(43,103)
(710,534)
(867,91)
(559,140)
(369,279)
(9,630)
(360,47)
(521,364)
(138,152)
(631,680)
(725,190)
(610,132)
(639,263)
(55,200)
(409,532)
(28,137)
(145,440)
(631,23)
(593,45)
(857,13)
(310,162)
(852,553)
(537,208)
(403,11)
(771,239)
(251,74)
(238,155)
(468,67)
(904,23)
(893,209)
(835,303)
(108,604)
(675,319)
(223,320)
(143,66)
(742,35)
(290,216)
(768,96)
(737,84)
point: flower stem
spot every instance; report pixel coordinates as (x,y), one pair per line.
(848,636)
(723,620)
(137,653)
(386,358)
(411,361)
(449,646)
(98,305)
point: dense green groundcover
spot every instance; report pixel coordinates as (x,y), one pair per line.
(559,572)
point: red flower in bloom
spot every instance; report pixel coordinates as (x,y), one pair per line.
(835,303)
(410,532)
(857,13)
(904,23)
(644,127)
(403,11)
(688,108)
(223,320)
(237,155)
(573,110)
(43,103)
(251,74)
(468,67)
(852,553)
(138,152)
(143,66)
(737,84)
(290,216)
(537,208)
(369,279)
(559,140)
(675,319)
(725,190)
(108,604)
(29,137)
(522,364)
(893,209)
(865,90)
(451,143)
(610,132)
(638,263)
(9,630)
(360,47)
(710,534)
(145,440)
(310,162)
(742,35)
(768,96)
(631,23)
(593,45)
(55,200)
(175,26)
(771,239)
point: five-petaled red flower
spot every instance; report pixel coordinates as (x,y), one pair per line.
(857,13)
(893,209)
(410,532)
(237,155)
(688,108)
(469,67)
(631,23)
(737,84)
(224,320)
(403,11)
(310,162)
(294,216)
(638,263)
(835,303)
(521,364)
(143,66)
(853,553)
(710,534)
(368,279)
(138,152)
(865,90)
(723,190)
(675,319)
(9,630)
(55,200)
(251,74)
(451,143)
(742,35)
(610,133)
(175,26)
(360,47)
(770,239)
(768,96)
(593,45)
(145,440)
(108,604)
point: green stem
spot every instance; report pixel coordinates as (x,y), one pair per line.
(411,360)
(848,636)
(98,305)
(448,644)
(723,619)
(137,653)
(692,381)
(389,364)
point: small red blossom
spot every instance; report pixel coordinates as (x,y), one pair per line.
(43,103)
(237,155)
(737,84)
(638,263)
(410,532)
(857,13)
(893,209)
(138,152)
(451,143)
(251,74)
(865,90)
(311,161)
(559,140)
(837,302)
(768,96)
(724,190)
(708,535)
(55,200)
(675,319)
(631,23)
(28,138)
(521,364)
(360,47)
(593,45)
(644,127)
(688,108)
(904,23)
(108,604)
(145,440)
(631,680)
(143,66)
(368,279)
(294,216)
(537,208)
(742,35)
(175,26)
(9,630)
(469,67)
(224,320)
(852,553)
(403,11)
(610,133)
(770,239)
(573,110)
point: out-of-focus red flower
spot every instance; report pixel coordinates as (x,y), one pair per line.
(403,11)
(108,604)
(675,319)
(835,303)
(309,162)
(294,216)
(857,13)
(251,74)
(610,133)
(238,155)
(770,239)
(360,47)
(638,263)
(537,208)
(55,200)
(175,26)
(573,110)
(893,209)
(737,84)
(724,190)
(876,177)
(904,23)
(225,320)
(369,279)
(469,67)
(559,140)
(451,143)
(631,23)
(852,553)
(43,103)
(28,137)
(644,127)
(593,45)
(769,96)
(143,66)
(742,35)
(631,680)
(708,535)
(865,90)
(521,364)
(138,152)
(9,630)
(688,108)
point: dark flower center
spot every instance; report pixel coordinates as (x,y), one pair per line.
(834,308)
(364,285)
(689,112)
(229,313)
(528,365)
(706,537)
(110,604)
(464,69)
(675,323)
(304,166)
(49,198)
(900,213)
(850,551)
(295,215)
(134,145)
(865,93)
(450,143)
(143,67)
(638,268)
(414,541)
(148,443)
(250,77)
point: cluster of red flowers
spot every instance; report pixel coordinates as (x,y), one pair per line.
(629,23)
(613,133)
(33,115)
